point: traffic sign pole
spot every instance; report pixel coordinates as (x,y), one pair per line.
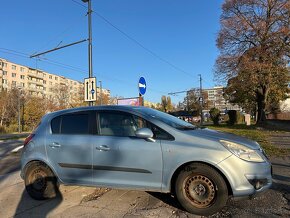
(142,86)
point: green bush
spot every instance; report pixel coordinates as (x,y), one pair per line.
(215,115)
(235,117)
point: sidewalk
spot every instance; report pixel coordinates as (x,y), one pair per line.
(13,135)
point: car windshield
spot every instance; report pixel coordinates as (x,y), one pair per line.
(168,119)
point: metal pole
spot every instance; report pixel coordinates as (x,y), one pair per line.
(19,120)
(201,99)
(187,101)
(100,92)
(90,46)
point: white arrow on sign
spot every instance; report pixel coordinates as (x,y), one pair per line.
(142,85)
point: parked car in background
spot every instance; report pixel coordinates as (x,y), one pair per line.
(142,149)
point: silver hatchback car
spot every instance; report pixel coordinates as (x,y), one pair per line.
(142,149)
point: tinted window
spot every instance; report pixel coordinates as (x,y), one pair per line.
(55,125)
(75,124)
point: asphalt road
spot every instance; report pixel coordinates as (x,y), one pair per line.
(9,161)
(75,201)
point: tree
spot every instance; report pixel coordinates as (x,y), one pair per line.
(166,104)
(105,99)
(254,48)
(8,107)
(62,96)
(215,115)
(34,109)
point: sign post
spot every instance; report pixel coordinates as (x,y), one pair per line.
(142,89)
(90,89)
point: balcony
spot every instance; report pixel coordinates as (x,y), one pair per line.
(35,89)
(39,83)
(35,74)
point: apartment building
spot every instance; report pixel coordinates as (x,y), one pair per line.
(36,82)
(214,98)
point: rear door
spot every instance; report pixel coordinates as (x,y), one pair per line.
(69,147)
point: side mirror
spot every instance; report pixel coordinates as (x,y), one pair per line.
(144,133)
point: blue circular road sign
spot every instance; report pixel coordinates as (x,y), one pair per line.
(142,86)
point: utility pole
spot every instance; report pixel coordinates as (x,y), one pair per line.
(90,45)
(200,99)
(100,92)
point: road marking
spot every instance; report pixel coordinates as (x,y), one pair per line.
(17,149)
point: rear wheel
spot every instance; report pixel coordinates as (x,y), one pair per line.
(40,182)
(200,189)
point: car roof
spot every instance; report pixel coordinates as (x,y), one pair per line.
(103,107)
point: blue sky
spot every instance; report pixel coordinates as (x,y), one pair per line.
(181,32)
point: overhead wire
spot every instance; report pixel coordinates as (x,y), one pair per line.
(69,67)
(136,41)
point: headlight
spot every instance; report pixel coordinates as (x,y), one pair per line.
(242,151)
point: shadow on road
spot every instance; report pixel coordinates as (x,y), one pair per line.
(167,198)
(28,207)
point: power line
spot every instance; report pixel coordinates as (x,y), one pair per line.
(70,67)
(58,35)
(137,42)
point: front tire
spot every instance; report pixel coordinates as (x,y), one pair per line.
(40,182)
(201,190)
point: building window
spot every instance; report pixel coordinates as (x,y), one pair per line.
(22,77)
(50,77)
(22,84)
(13,83)
(4,73)
(4,81)
(4,64)
(21,69)
(44,81)
(13,74)
(13,67)
(56,78)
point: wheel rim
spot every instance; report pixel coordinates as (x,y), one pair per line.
(200,190)
(38,180)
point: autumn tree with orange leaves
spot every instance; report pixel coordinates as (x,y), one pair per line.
(254,44)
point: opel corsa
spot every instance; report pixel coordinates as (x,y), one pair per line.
(142,149)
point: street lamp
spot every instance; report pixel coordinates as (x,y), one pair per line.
(100,92)
(19,118)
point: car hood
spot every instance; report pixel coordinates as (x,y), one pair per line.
(218,135)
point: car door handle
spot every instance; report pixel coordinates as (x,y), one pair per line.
(103,148)
(55,145)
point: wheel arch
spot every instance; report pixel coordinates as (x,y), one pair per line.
(44,162)
(178,170)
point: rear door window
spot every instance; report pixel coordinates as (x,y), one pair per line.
(75,123)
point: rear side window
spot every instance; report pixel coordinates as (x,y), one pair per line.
(55,125)
(71,124)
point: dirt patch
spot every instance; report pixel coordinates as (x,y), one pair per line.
(95,195)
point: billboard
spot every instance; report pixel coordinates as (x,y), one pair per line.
(129,101)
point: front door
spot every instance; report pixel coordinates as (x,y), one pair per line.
(120,158)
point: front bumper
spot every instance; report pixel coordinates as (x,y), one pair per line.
(246,178)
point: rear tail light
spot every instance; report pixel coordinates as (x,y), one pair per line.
(28,139)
